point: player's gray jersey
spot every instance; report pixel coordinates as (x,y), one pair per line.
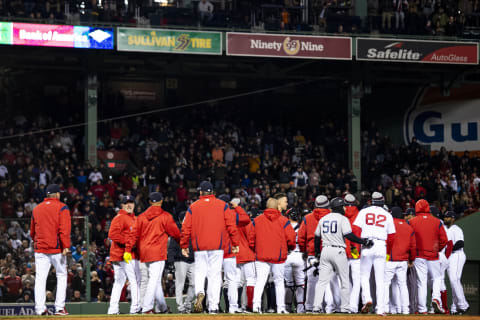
(332,228)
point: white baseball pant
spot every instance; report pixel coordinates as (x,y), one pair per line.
(232,279)
(395,305)
(143,281)
(295,277)
(43,261)
(248,273)
(184,270)
(397,269)
(154,287)
(333,299)
(425,269)
(122,272)
(374,256)
(208,265)
(263,270)
(456,263)
(355,284)
(311,284)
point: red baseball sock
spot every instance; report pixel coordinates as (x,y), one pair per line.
(443,295)
(250,297)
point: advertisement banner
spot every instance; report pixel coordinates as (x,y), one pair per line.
(47,35)
(169,41)
(289,46)
(6,33)
(21,309)
(449,122)
(421,51)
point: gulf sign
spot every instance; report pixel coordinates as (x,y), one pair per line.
(450,122)
(48,35)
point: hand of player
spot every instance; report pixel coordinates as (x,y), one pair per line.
(354,253)
(305,256)
(65,251)
(127,257)
(235,249)
(185,252)
(410,264)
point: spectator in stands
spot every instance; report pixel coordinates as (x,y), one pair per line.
(205,11)
(13,283)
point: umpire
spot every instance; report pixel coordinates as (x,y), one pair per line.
(331,230)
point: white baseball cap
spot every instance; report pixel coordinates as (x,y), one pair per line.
(322,202)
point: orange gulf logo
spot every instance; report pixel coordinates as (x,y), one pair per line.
(184,42)
(291,47)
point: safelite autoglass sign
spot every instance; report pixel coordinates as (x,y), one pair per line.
(47,35)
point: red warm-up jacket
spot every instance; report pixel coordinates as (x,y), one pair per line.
(151,232)
(430,236)
(50,227)
(306,232)
(274,236)
(207,225)
(120,231)
(247,244)
(241,219)
(351,213)
(404,245)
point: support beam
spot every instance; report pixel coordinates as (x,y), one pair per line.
(355,93)
(91,105)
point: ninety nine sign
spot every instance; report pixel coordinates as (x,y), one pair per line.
(289,46)
(422,51)
(169,41)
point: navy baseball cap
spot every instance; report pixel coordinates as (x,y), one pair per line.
(128,199)
(450,214)
(397,212)
(155,197)
(435,211)
(53,188)
(205,186)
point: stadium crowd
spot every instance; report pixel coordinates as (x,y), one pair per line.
(251,161)
(419,17)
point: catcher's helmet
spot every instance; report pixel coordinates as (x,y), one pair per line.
(293,214)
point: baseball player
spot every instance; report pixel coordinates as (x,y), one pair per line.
(332,229)
(294,274)
(274,237)
(376,224)
(208,225)
(246,257)
(183,271)
(456,262)
(231,273)
(411,273)
(443,257)
(430,239)
(400,255)
(353,252)
(306,243)
(150,234)
(50,231)
(119,232)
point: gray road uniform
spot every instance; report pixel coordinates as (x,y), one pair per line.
(332,229)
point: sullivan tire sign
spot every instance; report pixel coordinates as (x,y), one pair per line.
(421,51)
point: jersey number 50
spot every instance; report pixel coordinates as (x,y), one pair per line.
(329,226)
(370,219)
